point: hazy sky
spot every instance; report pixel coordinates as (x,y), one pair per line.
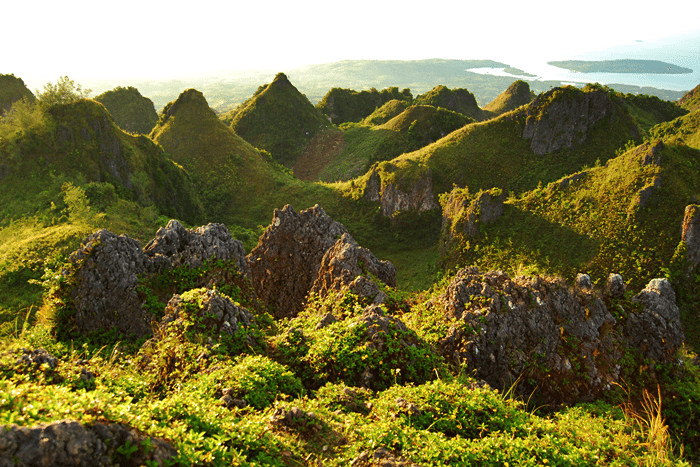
(87,39)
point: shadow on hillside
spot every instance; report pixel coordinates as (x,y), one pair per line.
(523,242)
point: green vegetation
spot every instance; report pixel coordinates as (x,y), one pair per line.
(517,94)
(279,119)
(457,100)
(691,100)
(621,66)
(12,89)
(131,111)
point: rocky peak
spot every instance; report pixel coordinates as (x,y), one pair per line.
(558,336)
(412,192)
(561,118)
(465,214)
(106,269)
(517,94)
(308,252)
(189,101)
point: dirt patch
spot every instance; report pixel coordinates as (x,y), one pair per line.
(319,153)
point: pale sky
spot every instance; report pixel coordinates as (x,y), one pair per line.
(43,40)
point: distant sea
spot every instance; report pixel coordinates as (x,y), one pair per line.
(682,50)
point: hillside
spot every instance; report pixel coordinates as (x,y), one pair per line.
(385,113)
(12,89)
(130,110)
(280,120)
(517,94)
(572,127)
(413,128)
(691,100)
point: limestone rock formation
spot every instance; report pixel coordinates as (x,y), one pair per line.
(540,330)
(68,443)
(218,313)
(397,196)
(178,245)
(656,331)
(465,214)
(691,234)
(517,94)
(531,327)
(562,117)
(287,263)
(106,269)
(344,262)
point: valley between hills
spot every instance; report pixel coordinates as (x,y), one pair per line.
(375,278)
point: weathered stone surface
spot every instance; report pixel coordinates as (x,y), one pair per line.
(105,295)
(564,122)
(392,197)
(342,265)
(218,313)
(179,246)
(615,286)
(532,327)
(541,330)
(107,268)
(308,252)
(68,443)
(465,214)
(691,234)
(650,153)
(566,181)
(656,331)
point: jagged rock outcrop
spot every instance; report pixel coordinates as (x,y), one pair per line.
(216,313)
(561,118)
(175,245)
(105,272)
(465,214)
(562,340)
(655,331)
(287,263)
(69,443)
(691,234)
(345,263)
(650,153)
(401,195)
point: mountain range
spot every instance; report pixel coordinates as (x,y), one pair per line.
(278,316)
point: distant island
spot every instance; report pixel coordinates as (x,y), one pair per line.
(621,66)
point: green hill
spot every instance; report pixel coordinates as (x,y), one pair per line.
(517,94)
(130,110)
(12,89)
(650,110)
(385,113)
(691,100)
(457,100)
(280,120)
